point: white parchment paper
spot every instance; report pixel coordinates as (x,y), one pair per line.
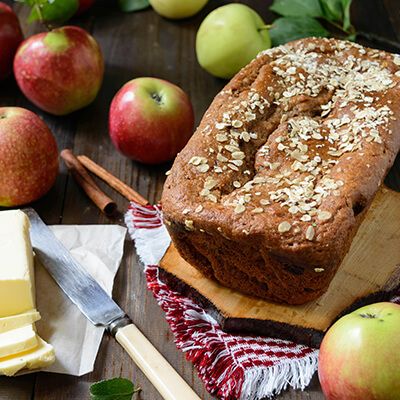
(99,249)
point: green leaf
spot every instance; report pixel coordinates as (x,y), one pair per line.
(346,14)
(352,37)
(297,8)
(52,10)
(333,9)
(339,11)
(113,389)
(286,29)
(133,5)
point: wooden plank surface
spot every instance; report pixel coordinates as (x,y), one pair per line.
(139,44)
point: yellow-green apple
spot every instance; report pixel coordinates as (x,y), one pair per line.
(10,38)
(28,157)
(84,5)
(150,120)
(359,357)
(177,9)
(60,71)
(229,38)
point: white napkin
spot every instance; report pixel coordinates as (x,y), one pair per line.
(99,249)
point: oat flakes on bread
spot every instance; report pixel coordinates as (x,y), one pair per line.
(272,187)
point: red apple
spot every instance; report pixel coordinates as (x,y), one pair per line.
(10,38)
(84,5)
(28,157)
(151,120)
(359,357)
(60,71)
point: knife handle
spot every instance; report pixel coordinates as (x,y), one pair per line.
(165,379)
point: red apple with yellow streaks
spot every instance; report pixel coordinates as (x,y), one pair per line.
(28,157)
(10,38)
(359,357)
(60,71)
(150,120)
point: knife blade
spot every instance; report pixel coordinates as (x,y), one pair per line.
(101,310)
(75,281)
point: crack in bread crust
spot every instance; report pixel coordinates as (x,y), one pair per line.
(271,189)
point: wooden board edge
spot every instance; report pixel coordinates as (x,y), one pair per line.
(307,336)
(250,326)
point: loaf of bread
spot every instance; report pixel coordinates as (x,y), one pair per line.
(272,187)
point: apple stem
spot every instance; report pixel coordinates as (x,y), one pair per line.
(265,27)
(41,19)
(39,11)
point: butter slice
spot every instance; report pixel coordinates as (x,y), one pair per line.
(18,321)
(16,264)
(18,341)
(40,357)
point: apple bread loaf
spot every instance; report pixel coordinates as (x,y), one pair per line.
(271,189)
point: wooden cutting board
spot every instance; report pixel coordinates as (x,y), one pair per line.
(369,273)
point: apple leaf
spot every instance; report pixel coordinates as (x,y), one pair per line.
(346,15)
(285,29)
(297,8)
(51,10)
(113,389)
(337,10)
(333,10)
(133,5)
(300,19)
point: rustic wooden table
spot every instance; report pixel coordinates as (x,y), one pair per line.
(140,44)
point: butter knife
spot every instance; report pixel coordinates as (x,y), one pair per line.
(101,310)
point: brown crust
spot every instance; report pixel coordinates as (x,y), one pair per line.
(224,206)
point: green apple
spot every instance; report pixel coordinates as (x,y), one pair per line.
(177,9)
(229,38)
(359,358)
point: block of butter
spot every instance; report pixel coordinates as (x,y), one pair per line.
(37,358)
(18,321)
(16,264)
(18,341)
(20,346)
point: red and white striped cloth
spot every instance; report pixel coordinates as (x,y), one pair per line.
(231,366)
